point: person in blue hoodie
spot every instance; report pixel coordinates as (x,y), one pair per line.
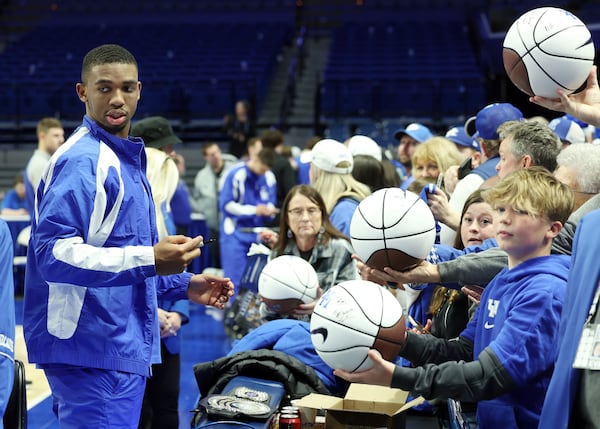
(7,319)
(91,284)
(505,356)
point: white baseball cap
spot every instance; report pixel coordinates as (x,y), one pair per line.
(363,145)
(567,130)
(327,154)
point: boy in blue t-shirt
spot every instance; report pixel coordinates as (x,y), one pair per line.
(504,358)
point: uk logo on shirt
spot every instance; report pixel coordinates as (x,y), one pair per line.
(492,307)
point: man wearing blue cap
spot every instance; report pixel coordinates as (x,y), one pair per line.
(484,128)
(409,137)
(567,130)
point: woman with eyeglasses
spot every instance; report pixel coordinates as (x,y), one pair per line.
(305,231)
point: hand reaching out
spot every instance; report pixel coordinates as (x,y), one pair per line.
(473,292)
(310,307)
(381,373)
(584,105)
(425,272)
(210,290)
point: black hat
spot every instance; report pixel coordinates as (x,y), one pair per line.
(156,132)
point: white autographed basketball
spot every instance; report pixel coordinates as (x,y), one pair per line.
(353,317)
(546,49)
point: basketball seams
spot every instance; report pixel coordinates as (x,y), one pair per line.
(396,237)
(279,282)
(358,305)
(337,322)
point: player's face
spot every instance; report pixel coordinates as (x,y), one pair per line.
(521,235)
(111,93)
(508,161)
(477,224)
(304,217)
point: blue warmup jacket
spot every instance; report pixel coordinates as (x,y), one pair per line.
(519,319)
(583,280)
(242,191)
(91,286)
(7,318)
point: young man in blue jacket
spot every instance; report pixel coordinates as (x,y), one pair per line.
(504,358)
(90,313)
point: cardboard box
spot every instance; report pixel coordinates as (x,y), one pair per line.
(364,406)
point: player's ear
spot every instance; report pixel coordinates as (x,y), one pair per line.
(81,92)
(526,161)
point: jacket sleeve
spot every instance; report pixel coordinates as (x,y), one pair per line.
(7,316)
(473,268)
(483,378)
(173,287)
(422,349)
(86,245)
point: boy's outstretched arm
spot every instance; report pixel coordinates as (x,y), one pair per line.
(483,378)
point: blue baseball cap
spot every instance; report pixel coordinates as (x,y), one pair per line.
(579,122)
(417,131)
(485,124)
(567,130)
(460,137)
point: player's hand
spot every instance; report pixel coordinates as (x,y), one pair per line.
(210,290)
(584,105)
(381,373)
(174,253)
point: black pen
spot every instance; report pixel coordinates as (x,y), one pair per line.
(210,240)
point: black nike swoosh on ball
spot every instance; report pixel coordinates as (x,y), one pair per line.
(322,331)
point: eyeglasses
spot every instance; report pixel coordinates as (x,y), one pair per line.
(298,212)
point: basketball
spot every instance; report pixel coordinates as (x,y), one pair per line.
(392,228)
(353,317)
(546,49)
(286,282)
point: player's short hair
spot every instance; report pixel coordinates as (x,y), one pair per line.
(106,54)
